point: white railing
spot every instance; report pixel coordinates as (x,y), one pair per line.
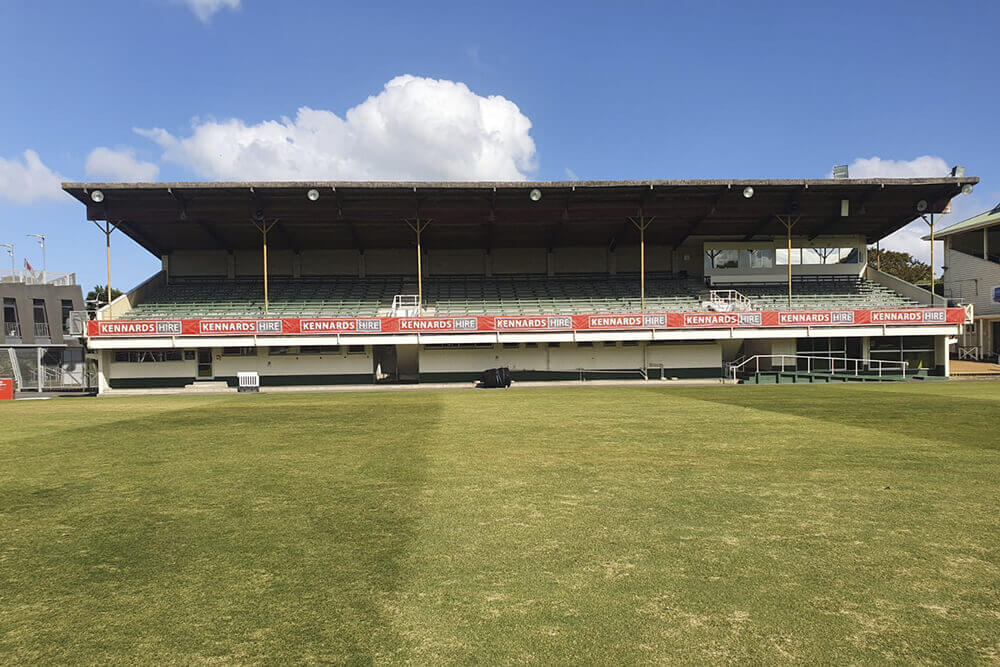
(25,277)
(727,300)
(41,330)
(405,305)
(844,365)
(11,330)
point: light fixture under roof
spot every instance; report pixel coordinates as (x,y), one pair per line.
(97,196)
(535,194)
(313,194)
(922,205)
(967,189)
(748,192)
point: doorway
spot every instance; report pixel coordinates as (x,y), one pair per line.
(392,364)
(205,371)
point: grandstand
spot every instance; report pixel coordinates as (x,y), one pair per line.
(315,283)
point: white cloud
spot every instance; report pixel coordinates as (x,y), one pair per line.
(119,166)
(205,9)
(876,167)
(414,129)
(28,181)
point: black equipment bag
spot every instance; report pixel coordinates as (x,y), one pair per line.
(496,377)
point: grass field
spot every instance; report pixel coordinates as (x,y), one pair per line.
(593,525)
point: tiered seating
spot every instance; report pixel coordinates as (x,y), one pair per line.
(822,293)
(580,293)
(497,295)
(305,297)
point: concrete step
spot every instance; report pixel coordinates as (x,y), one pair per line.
(207,387)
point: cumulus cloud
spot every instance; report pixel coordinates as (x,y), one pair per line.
(206,9)
(910,238)
(876,167)
(28,180)
(119,165)
(414,129)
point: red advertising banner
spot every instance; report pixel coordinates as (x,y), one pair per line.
(6,389)
(523,323)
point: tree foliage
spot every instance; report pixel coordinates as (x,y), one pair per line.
(98,296)
(903,265)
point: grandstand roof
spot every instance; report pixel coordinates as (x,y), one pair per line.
(990,218)
(166,216)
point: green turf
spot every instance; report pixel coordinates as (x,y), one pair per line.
(584,525)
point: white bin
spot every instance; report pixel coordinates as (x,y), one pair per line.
(249,381)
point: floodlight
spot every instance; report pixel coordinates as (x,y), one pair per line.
(748,192)
(922,205)
(313,194)
(535,194)
(967,189)
(97,196)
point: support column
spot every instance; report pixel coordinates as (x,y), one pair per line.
(263,227)
(789,222)
(930,223)
(641,223)
(418,226)
(108,227)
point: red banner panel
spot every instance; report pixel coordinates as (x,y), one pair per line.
(6,389)
(318,326)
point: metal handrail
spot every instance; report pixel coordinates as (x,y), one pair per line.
(12,329)
(41,330)
(858,364)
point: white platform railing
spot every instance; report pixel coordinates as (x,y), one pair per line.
(843,365)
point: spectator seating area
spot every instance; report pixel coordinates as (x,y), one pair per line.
(498,295)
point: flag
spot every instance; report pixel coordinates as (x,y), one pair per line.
(27,266)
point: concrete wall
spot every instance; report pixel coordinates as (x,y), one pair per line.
(198,263)
(455,262)
(329,263)
(24,296)
(391,262)
(541,361)
(519,260)
(909,290)
(327,368)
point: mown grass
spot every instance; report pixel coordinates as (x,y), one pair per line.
(590,525)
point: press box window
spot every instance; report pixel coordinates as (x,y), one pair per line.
(724,259)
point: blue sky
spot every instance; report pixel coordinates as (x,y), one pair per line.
(591,91)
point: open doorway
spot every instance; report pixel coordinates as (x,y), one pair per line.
(396,364)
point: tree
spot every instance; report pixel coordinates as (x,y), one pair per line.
(98,296)
(903,265)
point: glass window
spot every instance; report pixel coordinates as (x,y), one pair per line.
(762,258)
(67,308)
(147,356)
(280,350)
(10,326)
(812,256)
(239,352)
(848,255)
(355,349)
(781,256)
(724,259)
